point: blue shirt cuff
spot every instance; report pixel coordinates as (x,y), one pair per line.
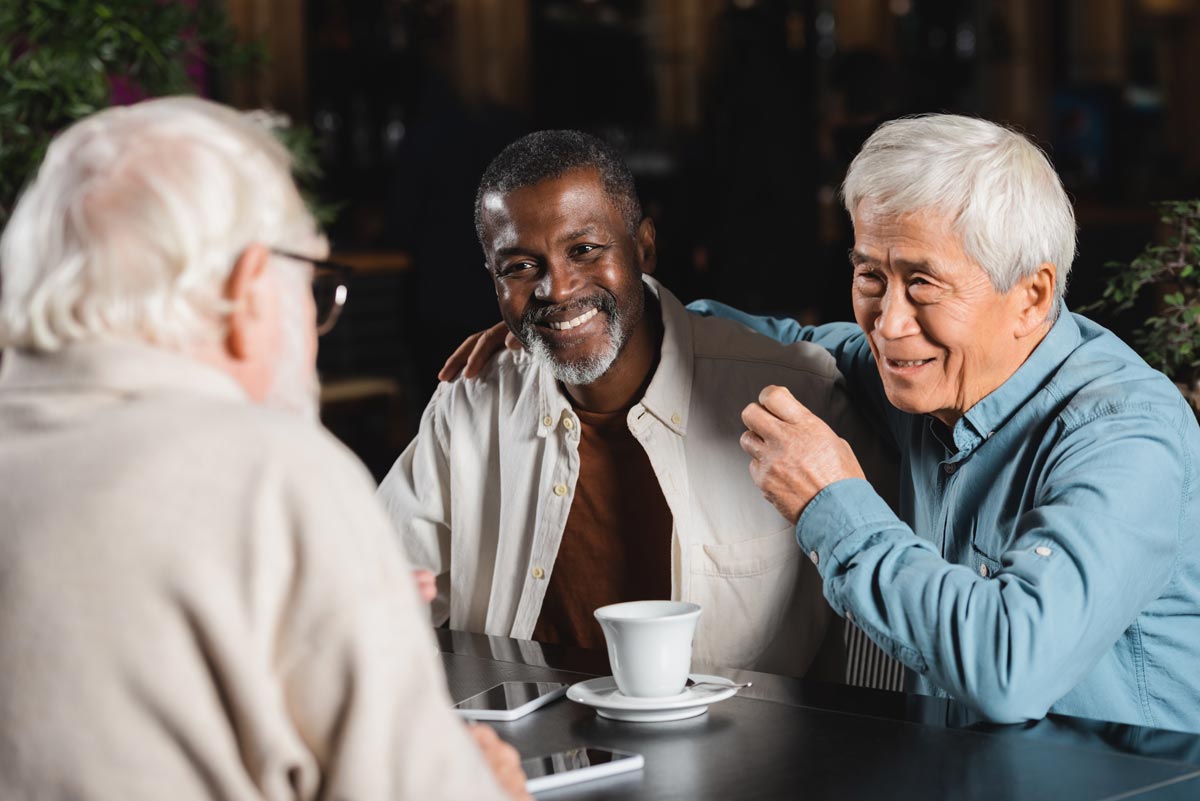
(839,520)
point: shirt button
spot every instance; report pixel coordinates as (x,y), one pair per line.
(1042,550)
(983,570)
(560,490)
(547,421)
(568,423)
(538,573)
(949,468)
(815,557)
(676,419)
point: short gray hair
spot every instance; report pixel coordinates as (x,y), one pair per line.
(1005,201)
(134,221)
(543,155)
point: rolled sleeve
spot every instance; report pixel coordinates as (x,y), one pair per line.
(841,530)
(416,495)
(839,521)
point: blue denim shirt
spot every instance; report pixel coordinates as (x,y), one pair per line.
(1046,556)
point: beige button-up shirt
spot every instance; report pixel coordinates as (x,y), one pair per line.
(482,495)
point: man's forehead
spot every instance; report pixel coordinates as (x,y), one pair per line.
(568,205)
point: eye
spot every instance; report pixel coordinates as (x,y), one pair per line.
(516,268)
(868,283)
(922,290)
(584,249)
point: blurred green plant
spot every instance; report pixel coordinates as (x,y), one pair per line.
(1169,274)
(61,60)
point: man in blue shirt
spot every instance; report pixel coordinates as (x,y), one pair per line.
(1046,554)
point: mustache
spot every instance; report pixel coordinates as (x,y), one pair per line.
(600,301)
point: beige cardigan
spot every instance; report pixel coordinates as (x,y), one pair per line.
(201,599)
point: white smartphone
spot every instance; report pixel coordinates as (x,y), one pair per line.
(577,765)
(510,700)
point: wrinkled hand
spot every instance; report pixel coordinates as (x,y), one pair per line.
(477,350)
(504,761)
(794,454)
(426,585)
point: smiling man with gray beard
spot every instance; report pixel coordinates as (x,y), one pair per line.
(601,462)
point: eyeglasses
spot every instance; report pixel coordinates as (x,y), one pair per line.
(329,288)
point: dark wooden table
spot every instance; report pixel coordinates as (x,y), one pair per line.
(789,739)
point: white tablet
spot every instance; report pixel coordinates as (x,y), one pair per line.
(577,765)
(510,700)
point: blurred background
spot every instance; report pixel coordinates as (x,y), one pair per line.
(738,118)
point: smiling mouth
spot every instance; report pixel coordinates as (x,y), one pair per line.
(574,322)
(903,366)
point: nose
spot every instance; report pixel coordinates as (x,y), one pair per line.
(559,283)
(897,315)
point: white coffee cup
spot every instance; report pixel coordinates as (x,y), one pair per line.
(649,645)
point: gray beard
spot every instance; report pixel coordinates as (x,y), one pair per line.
(295,387)
(584,371)
(296,390)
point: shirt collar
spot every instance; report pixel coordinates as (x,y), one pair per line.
(119,366)
(986,417)
(668,396)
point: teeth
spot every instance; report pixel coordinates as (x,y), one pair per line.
(913,363)
(575,323)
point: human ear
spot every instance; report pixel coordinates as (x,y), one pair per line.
(647,249)
(247,290)
(1036,298)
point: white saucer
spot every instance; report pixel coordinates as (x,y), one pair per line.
(602,694)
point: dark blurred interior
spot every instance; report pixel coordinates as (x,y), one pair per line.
(738,118)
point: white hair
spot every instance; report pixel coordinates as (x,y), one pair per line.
(134,221)
(1005,201)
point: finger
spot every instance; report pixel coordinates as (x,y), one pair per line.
(507,756)
(514,782)
(426,584)
(512,343)
(503,759)
(780,402)
(760,420)
(498,752)
(458,359)
(752,444)
(484,735)
(485,348)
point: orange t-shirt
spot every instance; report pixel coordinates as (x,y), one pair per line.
(617,542)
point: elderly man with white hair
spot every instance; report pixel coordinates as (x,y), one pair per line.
(200,598)
(1046,554)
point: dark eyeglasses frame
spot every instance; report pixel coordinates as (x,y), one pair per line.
(341,271)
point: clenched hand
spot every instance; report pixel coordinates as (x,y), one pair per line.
(794,454)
